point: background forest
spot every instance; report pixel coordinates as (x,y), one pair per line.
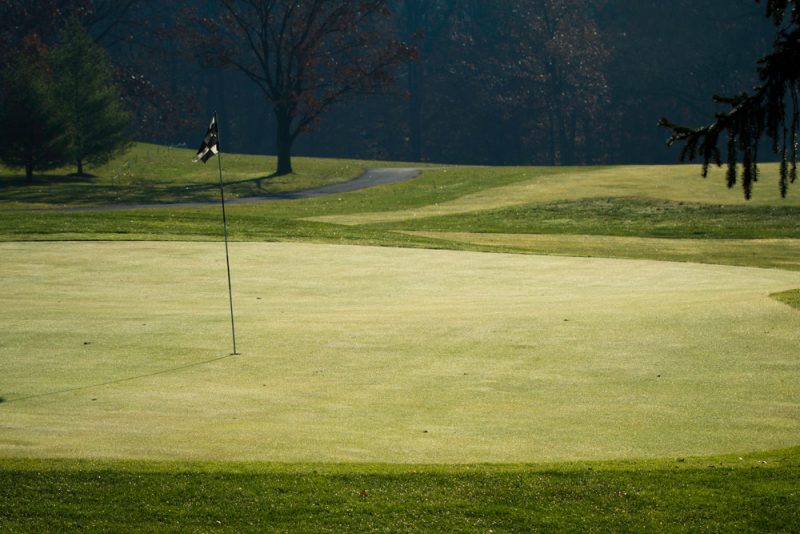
(564,82)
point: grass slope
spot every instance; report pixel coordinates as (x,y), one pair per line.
(476,208)
(673,183)
(632,217)
(155,174)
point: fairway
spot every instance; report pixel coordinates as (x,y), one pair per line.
(367,354)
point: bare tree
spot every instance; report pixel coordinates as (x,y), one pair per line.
(304,55)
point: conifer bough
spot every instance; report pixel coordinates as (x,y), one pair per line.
(772,110)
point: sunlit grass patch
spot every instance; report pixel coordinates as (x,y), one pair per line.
(674,183)
(363,354)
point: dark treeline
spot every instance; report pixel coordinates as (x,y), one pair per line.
(565,82)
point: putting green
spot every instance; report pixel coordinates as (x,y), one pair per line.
(388,355)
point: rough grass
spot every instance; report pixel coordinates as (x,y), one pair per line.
(747,493)
(623,217)
(674,183)
(792,297)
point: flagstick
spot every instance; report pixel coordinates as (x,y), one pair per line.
(225,225)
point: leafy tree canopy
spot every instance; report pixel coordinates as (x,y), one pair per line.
(304,56)
(31,128)
(97,127)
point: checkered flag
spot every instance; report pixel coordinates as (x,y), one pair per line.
(210,146)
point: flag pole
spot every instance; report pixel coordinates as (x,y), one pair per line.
(225,226)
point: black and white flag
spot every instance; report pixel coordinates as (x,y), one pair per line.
(210,146)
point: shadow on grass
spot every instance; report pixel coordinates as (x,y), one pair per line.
(87,190)
(120,380)
(19,181)
(258,182)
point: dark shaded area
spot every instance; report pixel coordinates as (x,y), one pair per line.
(770,111)
(502,82)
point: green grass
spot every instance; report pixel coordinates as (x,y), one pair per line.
(632,217)
(676,183)
(750,493)
(366,354)
(475,208)
(792,298)
(354,357)
(765,253)
(154,174)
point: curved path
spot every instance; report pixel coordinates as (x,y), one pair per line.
(370,178)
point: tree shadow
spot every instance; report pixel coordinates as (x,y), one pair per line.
(121,380)
(88,190)
(16,181)
(259,181)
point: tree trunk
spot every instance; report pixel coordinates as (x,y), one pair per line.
(415,111)
(551,137)
(414,24)
(28,172)
(80,167)
(588,142)
(283,141)
(566,138)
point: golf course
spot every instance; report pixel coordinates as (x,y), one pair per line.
(468,349)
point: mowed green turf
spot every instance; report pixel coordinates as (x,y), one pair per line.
(120,351)
(741,493)
(363,354)
(499,194)
(653,212)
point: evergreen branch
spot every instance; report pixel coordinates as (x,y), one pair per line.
(753,117)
